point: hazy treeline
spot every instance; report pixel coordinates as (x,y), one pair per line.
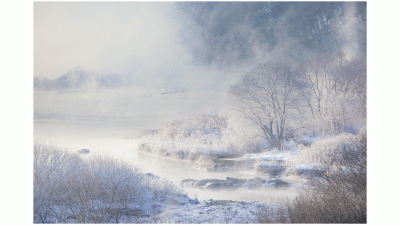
(78,79)
(279,102)
(238,33)
(325,95)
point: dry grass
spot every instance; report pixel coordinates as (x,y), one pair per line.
(340,196)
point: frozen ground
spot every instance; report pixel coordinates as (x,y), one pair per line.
(219,211)
(185,210)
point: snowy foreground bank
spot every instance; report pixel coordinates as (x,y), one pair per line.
(84,188)
(181,209)
(216,211)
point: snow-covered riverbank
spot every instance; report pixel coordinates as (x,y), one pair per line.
(234,190)
(218,211)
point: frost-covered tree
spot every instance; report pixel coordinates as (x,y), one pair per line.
(268,96)
(333,92)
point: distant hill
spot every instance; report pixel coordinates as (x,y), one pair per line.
(79,78)
(238,32)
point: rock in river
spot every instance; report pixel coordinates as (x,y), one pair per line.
(236,180)
(83,151)
(310,170)
(271,168)
(278,183)
(231,183)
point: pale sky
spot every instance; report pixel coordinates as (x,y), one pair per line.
(105,37)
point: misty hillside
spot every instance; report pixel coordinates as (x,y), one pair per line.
(239,32)
(79,78)
(226,36)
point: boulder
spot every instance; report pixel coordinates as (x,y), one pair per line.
(214,183)
(257,180)
(273,169)
(231,182)
(310,171)
(236,180)
(254,183)
(83,151)
(234,163)
(220,184)
(152,176)
(189,182)
(276,183)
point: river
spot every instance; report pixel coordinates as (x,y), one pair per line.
(107,122)
(104,141)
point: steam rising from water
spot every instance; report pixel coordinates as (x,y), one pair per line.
(171,169)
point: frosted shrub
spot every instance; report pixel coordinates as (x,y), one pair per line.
(341,117)
(205,137)
(325,152)
(339,196)
(202,137)
(162,189)
(202,124)
(68,188)
(277,214)
(211,122)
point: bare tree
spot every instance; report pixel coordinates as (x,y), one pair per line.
(330,86)
(268,97)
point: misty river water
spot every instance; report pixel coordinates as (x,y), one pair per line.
(104,141)
(106,124)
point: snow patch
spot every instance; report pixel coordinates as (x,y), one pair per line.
(274,155)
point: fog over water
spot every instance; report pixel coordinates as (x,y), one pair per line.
(114,136)
(104,142)
(104,72)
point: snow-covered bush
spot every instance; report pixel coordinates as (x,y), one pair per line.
(70,189)
(339,194)
(206,136)
(326,153)
(208,126)
(277,214)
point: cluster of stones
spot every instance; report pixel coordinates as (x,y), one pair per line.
(231,183)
